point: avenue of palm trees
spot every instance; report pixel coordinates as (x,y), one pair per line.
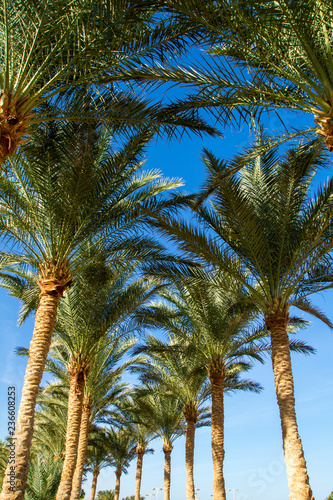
(150,303)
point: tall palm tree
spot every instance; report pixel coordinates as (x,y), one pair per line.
(274,237)
(209,339)
(50,48)
(122,449)
(162,413)
(70,199)
(103,392)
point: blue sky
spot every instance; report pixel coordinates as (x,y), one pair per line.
(253,445)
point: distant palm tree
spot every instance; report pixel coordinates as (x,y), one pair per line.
(262,57)
(162,413)
(61,213)
(271,235)
(142,436)
(167,369)
(122,449)
(98,456)
(106,495)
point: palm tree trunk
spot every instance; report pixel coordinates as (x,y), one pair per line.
(117,488)
(298,479)
(75,403)
(94,483)
(167,449)
(189,458)
(140,451)
(14,487)
(82,450)
(217,380)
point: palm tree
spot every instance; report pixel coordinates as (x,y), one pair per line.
(142,434)
(260,57)
(68,201)
(98,456)
(167,369)
(122,448)
(91,324)
(49,49)
(271,235)
(162,413)
(103,392)
(208,339)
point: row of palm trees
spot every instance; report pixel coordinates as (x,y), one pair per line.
(73,209)
(209,310)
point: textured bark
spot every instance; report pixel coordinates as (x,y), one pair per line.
(39,348)
(167,449)
(298,479)
(191,415)
(117,488)
(189,459)
(217,380)
(82,449)
(140,451)
(75,404)
(94,483)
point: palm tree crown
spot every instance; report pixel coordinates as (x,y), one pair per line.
(261,56)
(50,48)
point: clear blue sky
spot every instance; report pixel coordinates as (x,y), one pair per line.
(253,445)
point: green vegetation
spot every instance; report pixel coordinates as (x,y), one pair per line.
(86,230)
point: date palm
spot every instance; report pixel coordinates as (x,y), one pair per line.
(122,449)
(50,48)
(98,456)
(274,237)
(106,495)
(101,399)
(69,200)
(107,317)
(166,369)
(207,351)
(260,56)
(162,413)
(142,435)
